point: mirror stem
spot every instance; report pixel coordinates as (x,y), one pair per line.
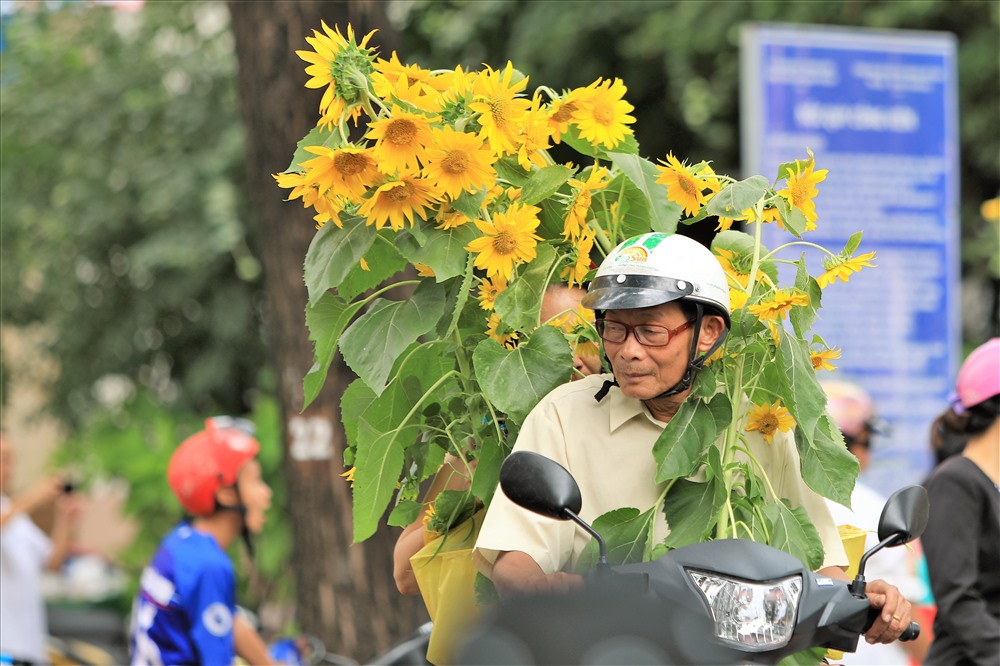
(857,587)
(603,569)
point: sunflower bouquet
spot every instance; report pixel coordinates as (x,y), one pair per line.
(442,217)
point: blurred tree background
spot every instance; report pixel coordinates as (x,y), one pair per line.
(128,246)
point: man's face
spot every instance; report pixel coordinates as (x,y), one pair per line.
(646,372)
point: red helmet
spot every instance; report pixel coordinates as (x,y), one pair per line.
(209,460)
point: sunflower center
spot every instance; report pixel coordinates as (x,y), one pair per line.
(457,161)
(499,109)
(800,194)
(687,184)
(350,164)
(401,132)
(604,114)
(564,113)
(504,243)
(400,193)
(768,423)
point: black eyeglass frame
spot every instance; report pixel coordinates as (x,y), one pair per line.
(601,324)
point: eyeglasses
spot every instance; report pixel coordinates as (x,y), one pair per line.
(647,335)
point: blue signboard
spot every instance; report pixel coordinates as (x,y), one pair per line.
(878,109)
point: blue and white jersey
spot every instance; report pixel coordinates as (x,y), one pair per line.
(184,610)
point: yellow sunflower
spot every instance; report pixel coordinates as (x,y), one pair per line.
(449,218)
(392,71)
(561,112)
(801,187)
(501,112)
(768,419)
(737,266)
(737,299)
(839,267)
(400,140)
(489,289)
(779,304)
(577,273)
(339,64)
(349,476)
(683,186)
(509,239)
(821,359)
(345,172)
(508,340)
(576,217)
(397,200)
(534,136)
(457,162)
(603,114)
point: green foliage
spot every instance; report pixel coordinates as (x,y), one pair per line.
(123,218)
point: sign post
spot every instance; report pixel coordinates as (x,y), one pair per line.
(879,110)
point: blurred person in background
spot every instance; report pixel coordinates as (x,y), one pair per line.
(25,551)
(962,539)
(185,610)
(853,410)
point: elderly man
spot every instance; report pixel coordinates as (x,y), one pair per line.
(665,305)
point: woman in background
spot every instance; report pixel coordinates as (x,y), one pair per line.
(962,539)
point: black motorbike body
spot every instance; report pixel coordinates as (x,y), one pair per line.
(655,613)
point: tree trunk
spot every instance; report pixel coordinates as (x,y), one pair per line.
(346,594)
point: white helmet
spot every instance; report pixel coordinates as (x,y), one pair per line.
(657,268)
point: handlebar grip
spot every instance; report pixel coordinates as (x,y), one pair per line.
(911,633)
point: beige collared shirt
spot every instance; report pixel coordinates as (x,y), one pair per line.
(607,447)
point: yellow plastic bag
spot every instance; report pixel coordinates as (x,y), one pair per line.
(445,574)
(853,539)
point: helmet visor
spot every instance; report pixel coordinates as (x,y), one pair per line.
(627,292)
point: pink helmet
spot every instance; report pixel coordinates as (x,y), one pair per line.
(979,377)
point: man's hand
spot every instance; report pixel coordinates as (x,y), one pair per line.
(515,572)
(895,616)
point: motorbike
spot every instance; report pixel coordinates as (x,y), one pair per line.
(729,601)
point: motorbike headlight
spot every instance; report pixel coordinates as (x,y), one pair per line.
(751,616)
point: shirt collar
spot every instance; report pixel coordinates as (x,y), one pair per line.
(624,409)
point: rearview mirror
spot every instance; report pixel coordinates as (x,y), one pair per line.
(541,485)
(905,514)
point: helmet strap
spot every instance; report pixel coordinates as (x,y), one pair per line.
(695,362)
(241,509)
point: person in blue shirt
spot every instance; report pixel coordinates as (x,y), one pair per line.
(185,609)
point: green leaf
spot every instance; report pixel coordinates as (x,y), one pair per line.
(692,510)
(826,465)
(485,592)
(452,507)
(545,182)
(326,320)
(318,136)
(793,218)
(679,448)
(625,533)
(574,140)
(444,250)
(374,341)
(383,260)
(515,380)
(793,532)
(404,513)
(519,304)
(801,392)
(509,170)
(469,204)
(334,252)
(852,243)
(664,214)
(803,316)
(491,453)
(735,198)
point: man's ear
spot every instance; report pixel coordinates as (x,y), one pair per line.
(712,326)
